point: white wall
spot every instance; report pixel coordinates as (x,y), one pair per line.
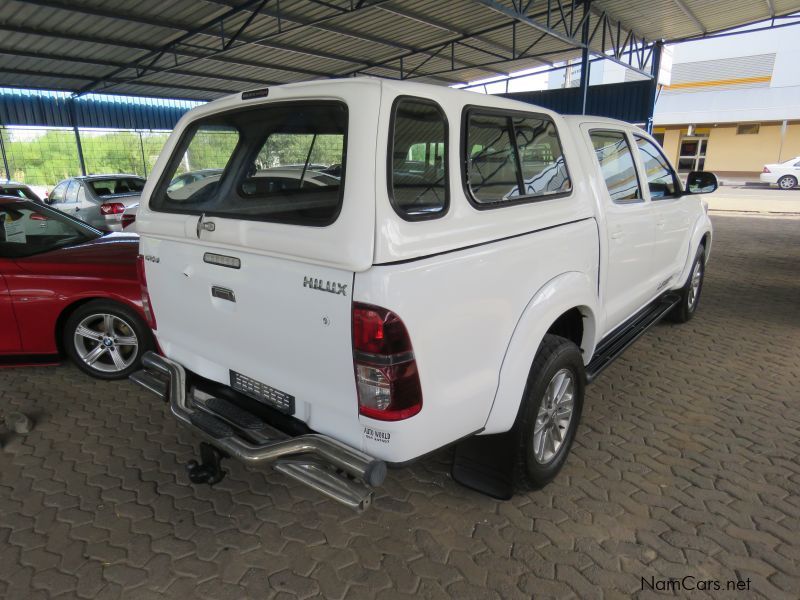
(780,100)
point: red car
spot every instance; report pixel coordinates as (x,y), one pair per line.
(67,288)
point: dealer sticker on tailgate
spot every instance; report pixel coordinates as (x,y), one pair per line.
(260,391)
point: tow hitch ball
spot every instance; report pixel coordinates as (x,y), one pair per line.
(210,468)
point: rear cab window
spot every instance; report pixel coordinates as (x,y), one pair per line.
(281,162)
(418,153)
(512,157)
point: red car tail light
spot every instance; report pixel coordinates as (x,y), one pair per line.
(127,220)
(147,306)
(112,208)
(766,170)
(387,379)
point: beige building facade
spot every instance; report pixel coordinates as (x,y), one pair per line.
(730,148)
(732,104)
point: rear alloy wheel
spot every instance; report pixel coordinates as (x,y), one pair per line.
(787,182)
(106,340)
(550,412)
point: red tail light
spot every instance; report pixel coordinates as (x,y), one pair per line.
(147,306)
(127,220)
(766,170)
(386,370)
(37,217)
(112,208)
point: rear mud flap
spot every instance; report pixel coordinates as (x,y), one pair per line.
(485,463)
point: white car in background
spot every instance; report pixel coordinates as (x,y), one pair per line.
(785,175)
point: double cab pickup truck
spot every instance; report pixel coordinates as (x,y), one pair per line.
(381,269)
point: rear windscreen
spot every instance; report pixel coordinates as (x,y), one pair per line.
(279,162)
(112,187)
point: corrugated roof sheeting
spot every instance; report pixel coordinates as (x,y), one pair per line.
(186,48)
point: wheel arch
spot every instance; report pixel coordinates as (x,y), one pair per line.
(702,235)
(555,308)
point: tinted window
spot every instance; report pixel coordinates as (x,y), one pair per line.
(418,171)
(541,159)
(19,192)
(492,174)
(57,195)
(506,154)
(122,185)
(72,192)
(616,163)
(661,178)
(27,229)
(270,163)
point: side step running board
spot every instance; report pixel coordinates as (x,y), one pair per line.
(630,331)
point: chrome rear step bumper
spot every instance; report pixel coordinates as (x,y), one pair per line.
(321,462)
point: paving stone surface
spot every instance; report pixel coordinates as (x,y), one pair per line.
(686,464)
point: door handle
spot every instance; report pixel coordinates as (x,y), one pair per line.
(616,235)
(660,224)
(207,225)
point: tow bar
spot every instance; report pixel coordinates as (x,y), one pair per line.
(209,470)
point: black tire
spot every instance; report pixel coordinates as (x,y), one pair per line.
(116,360)
(787,182)
(686,308)
(555,355)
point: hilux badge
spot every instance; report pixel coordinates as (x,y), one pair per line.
(325,286)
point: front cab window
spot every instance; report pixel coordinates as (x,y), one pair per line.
(661,179)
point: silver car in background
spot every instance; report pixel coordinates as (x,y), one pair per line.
(99,200)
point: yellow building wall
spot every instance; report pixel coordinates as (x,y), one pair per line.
(672,140)
(729,151)
(791,144)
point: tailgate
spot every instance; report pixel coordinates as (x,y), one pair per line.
(258,215)
(276,329)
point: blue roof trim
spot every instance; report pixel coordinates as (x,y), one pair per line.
(52,109)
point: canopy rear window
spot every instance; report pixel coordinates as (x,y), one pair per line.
(278,162)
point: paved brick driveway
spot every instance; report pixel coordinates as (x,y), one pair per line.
(686,464)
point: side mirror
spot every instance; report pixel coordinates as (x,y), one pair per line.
(701,182)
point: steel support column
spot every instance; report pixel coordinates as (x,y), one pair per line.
(141,147)
(74,120)
(5,158)
(585,64)
(656,65)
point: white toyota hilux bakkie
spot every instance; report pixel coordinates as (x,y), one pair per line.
(346,274)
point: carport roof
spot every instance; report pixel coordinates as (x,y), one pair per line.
(202,49)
